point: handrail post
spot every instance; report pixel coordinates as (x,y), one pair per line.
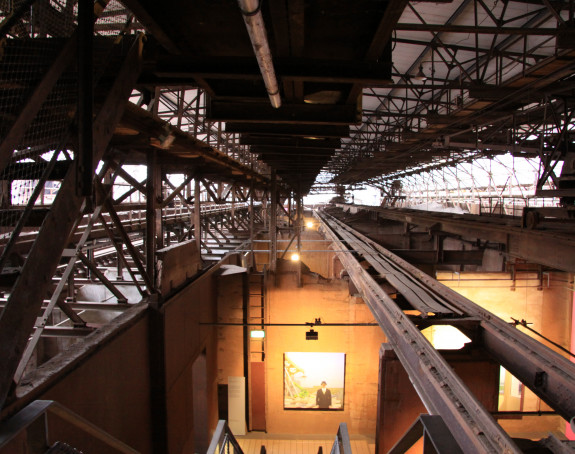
(32,413)
(341,444)
(223,437)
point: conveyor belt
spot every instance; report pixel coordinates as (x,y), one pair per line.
(549,375)
(552,247)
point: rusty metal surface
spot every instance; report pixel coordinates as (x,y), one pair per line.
(440,389)
(553,248)
(547,373)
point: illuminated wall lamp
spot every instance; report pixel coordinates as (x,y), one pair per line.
(295,257)
(257,334)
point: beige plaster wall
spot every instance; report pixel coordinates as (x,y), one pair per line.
(331,302)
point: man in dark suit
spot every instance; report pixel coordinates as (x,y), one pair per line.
(323,396)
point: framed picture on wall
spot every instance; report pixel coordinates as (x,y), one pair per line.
(314,381)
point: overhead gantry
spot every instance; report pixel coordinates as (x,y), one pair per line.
(545,372)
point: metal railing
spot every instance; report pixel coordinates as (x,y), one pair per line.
(223,440)
(341,445)
(34,420)
(436,435)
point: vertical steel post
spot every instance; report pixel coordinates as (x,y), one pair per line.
(252,237)
(298,226)
(85,169)
(154,234)
(197,215)
(233,211)
(273,223)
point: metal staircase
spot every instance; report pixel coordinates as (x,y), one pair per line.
(30,429)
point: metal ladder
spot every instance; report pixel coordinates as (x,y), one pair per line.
(256,311)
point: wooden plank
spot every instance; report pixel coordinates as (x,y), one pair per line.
(300,447)
(328,131)
(250,446)
(317,114)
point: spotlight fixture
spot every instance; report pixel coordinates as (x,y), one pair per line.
(295,257)
(309,224)
(311,335)
(420,74)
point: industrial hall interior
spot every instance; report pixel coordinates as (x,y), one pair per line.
(287,226)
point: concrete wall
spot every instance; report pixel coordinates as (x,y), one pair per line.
(331,302)
(191,392)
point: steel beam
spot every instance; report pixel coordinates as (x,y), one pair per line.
(196,218)
(19,315)
(154,234)
(434,432)
(441,390)
(547,373)
(553,249)
(273,223)
(84,160)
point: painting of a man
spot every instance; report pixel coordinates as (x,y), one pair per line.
(323,396)
(306,375)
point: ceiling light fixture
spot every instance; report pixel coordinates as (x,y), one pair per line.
(420,74)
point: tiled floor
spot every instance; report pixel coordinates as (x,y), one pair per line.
(285,446)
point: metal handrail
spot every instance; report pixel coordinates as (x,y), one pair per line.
(39,409)
(341,445)
(434,431)
(223,437)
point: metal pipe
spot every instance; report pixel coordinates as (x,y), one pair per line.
(251,10)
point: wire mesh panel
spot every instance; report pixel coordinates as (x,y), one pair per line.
(116,20)
(32,125)
(39,80)
(32,50)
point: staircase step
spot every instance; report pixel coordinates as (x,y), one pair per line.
(62,448)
